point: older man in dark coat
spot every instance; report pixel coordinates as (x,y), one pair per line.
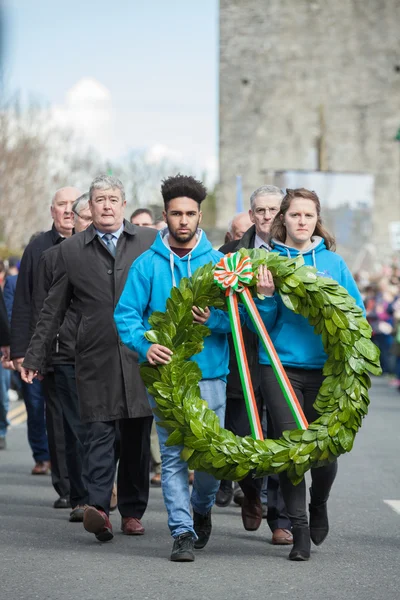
(264,205)
(91,270)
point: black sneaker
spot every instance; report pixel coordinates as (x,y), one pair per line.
(202,526)
(182,550)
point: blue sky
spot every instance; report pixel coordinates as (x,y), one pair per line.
(158,60)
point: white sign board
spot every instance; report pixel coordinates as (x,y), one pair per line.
(394,230)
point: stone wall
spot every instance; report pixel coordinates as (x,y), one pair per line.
(301,75)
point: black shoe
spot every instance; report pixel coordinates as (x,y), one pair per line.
(202,526)
(238,495)
(3,443)
(62,502)
(301,544)
(76,515)
(319,525)
(225,494)
(182,550)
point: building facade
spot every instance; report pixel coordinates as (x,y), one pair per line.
(310,85)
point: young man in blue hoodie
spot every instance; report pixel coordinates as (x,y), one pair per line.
(176,253)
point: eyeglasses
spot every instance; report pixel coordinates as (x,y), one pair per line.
(83,218)
(262,211)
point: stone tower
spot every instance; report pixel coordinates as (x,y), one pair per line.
(308,85)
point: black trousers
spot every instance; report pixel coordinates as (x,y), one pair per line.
(55,436)
(306,384)
(74,431)
(237,421)
(133,467)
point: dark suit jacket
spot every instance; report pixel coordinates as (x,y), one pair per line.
(21,320)
(4,326)
(9,293)
(107,372)
(63,348)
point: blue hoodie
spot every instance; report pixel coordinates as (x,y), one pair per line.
(147,288)
(293,337)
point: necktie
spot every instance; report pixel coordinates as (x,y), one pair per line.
(108,240)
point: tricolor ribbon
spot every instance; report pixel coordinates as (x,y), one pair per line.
(234,274)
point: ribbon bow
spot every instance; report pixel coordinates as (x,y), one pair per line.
(233,271)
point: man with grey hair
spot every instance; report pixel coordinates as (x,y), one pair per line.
(264,205)
(237,227)
(62,362)
(91,271)
(82,213)
(48,446)
(265,202)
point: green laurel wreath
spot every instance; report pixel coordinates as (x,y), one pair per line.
(342,401)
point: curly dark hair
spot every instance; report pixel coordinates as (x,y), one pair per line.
(180,186)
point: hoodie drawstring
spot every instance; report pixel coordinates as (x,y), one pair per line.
(172,265)
(314,259)
(312,253)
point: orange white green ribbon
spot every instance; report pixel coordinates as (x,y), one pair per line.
(234,274)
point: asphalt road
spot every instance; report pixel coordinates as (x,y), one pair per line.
(44,556)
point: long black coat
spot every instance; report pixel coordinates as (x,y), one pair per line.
(107,373)
(22,325)
(63,350)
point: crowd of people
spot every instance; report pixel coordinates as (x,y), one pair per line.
(77,306)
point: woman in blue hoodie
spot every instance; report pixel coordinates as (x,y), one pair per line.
(297,229)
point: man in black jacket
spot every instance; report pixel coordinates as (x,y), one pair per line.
(4,352)
(264,205)
(62,360)
(91,271)
(48,446)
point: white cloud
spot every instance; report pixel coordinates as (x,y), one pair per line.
(185,139)
(88,111)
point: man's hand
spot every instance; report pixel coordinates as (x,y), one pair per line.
(18,363)
(200,315)
(158,355)
(265,285)
(5,351)
(28,375)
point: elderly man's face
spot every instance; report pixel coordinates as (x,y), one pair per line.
(240,225)
(263,213)
(107,209)
(142,220)
(61,210)
(83,219)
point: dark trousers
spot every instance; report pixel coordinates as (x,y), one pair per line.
(306,384)
(133,467)
(237,421)
(74,431)
(55,436)
(36,420)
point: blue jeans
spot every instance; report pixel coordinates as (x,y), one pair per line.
(35,408)
(4,387)
(174,470)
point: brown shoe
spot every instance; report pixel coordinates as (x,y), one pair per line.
(97,522)
(282,537)
(156,480)
(251,514)
(114,498)
(42,468)
(191,477)
(131,526)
